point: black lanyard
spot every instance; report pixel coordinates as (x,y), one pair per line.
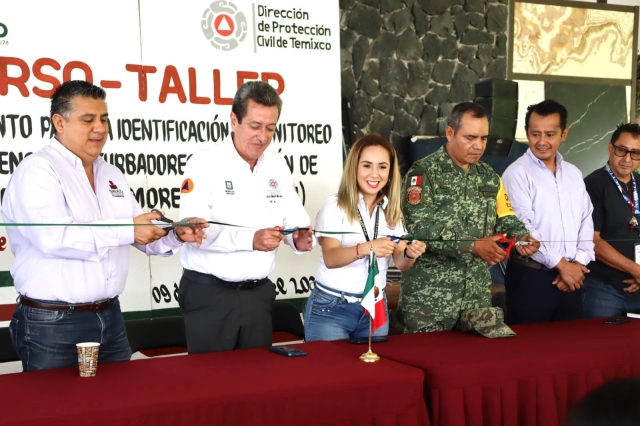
(375,230)
(364,228)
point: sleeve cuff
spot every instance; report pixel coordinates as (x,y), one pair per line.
(289,240)
(172,240)
(124,234)
(550,260)
(466,245)
(583,258)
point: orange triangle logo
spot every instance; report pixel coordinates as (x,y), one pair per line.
(187,186)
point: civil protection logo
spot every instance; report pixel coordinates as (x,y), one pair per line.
(224,25)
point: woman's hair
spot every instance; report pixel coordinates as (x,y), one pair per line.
(348,193)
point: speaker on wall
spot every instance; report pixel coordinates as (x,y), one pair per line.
(496,88)
(500,99)
(499,107)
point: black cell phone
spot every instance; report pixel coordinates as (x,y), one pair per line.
(287,351)
(365,340)
(616,321)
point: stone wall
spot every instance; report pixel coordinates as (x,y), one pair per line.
(406,63)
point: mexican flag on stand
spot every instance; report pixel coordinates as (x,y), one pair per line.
(374,306)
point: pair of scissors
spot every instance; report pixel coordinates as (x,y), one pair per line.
(290,230)
(508,243)
(165,219)
(406,237)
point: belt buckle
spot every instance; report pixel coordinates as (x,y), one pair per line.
(244,284)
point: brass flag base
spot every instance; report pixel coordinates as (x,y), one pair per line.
(369,357)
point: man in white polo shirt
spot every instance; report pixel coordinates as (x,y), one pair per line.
(225,295)
(69,277)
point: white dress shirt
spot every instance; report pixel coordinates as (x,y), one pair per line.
(353,277)
(556,209)
(223,188)
(71,264)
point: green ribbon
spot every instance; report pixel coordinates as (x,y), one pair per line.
(284,231)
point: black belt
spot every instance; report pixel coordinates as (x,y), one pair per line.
(526,261)
(81,307)
(201,278)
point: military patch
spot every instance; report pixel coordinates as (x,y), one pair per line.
(416,180)
(414,195)
(446,168)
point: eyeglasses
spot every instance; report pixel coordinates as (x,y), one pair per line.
(621,151)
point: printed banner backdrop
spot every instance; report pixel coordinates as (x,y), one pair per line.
(170,74)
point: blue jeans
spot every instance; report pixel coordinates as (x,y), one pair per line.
(601,300)
(45,339)
(329,317)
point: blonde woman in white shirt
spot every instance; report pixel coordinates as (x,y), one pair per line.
(367,207)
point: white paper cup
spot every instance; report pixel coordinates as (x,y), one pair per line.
(88,358)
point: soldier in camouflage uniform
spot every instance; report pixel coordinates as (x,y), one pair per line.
(456,204)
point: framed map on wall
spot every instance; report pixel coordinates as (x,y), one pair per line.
(574,42)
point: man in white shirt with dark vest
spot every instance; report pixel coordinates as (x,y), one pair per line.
(225,294)
(69,277)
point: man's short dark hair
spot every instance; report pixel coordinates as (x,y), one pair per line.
(632,128)
(455,119)
(258,91)
(62,98)
(546,108)
(614,403)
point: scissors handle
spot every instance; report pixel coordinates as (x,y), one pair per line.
(164,219)
(290,230)
(507,244)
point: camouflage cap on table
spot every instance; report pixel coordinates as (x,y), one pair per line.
(487,321)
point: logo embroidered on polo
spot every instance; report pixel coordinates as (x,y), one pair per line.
(229,187)
(115,192)
(187,186)
(273,193)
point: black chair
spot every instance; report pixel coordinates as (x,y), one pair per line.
(7,354)
(286,317)
(422,147)
(156,333)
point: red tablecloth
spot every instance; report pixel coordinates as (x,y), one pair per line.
(527,380)
(248,387)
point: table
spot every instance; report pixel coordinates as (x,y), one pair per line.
(246,387)
(527,380)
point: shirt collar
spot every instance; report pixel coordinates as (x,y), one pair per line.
(445,158)
(361,203)
(536,160)
(236,156)
(69,156)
